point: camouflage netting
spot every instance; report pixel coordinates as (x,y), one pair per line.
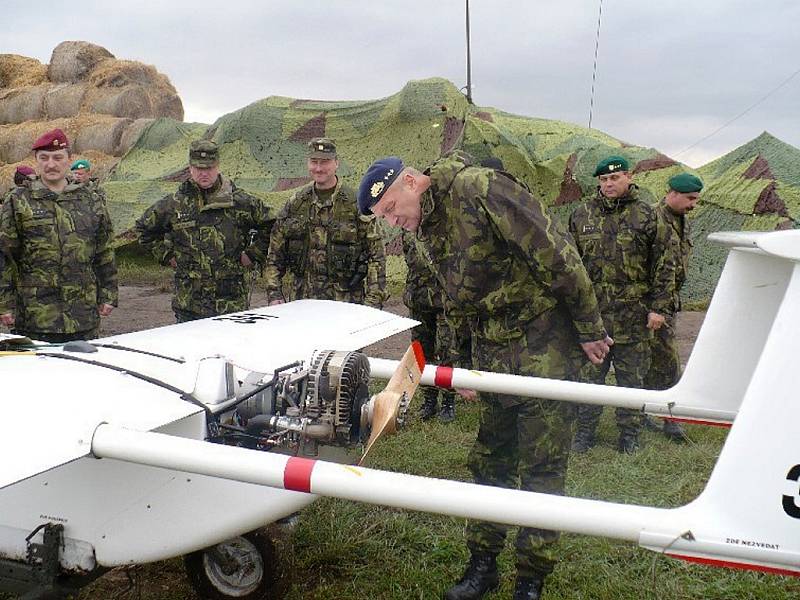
(103,104)
(263,148)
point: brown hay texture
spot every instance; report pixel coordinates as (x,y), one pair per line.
(19,71)
(73,61)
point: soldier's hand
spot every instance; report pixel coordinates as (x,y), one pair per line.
(105,309)
(246,262)
(597,350)
(655,321)
(470,395)
(275,302)
(7,319)
(173,263)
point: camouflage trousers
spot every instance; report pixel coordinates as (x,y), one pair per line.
(434,335)
(665,362)
(59,338)
(631,364)
(524,442)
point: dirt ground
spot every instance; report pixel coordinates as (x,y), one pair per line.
(147,307)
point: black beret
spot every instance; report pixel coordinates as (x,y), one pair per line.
(380,175)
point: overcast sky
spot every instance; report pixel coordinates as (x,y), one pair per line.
(669,73)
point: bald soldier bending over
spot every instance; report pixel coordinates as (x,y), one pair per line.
(510,271)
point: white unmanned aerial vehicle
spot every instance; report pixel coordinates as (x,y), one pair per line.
(152,433)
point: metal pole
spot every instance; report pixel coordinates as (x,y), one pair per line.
(469,61)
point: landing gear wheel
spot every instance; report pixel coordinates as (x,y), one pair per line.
(243,567)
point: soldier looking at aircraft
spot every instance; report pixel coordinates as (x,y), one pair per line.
(211,233)
(510,271)
(321,244)
(423,297)
(665,365)
(57,270)
(626,250)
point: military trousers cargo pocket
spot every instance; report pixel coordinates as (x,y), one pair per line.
(231,287)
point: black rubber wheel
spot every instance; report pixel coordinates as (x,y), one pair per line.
(243,567)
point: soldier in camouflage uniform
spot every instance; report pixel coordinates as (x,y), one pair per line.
(81,172)
(212,234)
(509,270)
(320,243)
(423,297)
(626,250)
(23,175)
(665,364)
(57,269)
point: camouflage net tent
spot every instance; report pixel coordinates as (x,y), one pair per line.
(263,148)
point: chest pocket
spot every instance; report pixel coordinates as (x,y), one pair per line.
(632,256)
(296,245)
(40,224)
(344,250)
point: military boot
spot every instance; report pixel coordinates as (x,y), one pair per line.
(429,408)
(628,442)
(649,423)
(528,588)
(448,412)
(479,579)
(674,431)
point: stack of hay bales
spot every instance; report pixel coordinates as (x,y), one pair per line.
(103,104)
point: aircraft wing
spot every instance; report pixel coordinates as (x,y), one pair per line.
(52,400)
(265,338)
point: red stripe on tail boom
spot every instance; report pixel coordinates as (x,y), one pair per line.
(443,377)
(734,565)
(297,474)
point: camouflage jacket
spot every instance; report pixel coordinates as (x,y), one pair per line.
(326,250)
(500,258)
(626,250)
(58,259)
(422,289)
(206,231)
(682,248)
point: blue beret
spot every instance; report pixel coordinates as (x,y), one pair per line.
(685,183)
(380,175)
(612,164)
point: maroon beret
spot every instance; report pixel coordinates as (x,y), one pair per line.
(52,140)
(25,170)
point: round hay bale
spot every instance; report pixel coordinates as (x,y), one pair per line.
(103,136)
(23,104)
(19,71)
(64,100)
(16,142)
(131,135)
(73,61)
(132,102)
(162,98)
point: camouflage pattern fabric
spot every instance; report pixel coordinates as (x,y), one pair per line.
(631,363)
(206,231)
(424,300)
(326,250)
(58,260)
(665,363)
(509,270)
(627,251)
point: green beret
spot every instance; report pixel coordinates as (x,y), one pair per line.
(80,164)
(685,183)
(612,164)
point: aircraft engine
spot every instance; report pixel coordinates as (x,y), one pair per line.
(321,404)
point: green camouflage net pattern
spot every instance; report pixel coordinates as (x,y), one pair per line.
(263,148)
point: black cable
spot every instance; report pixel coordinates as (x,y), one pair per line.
(138,351)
